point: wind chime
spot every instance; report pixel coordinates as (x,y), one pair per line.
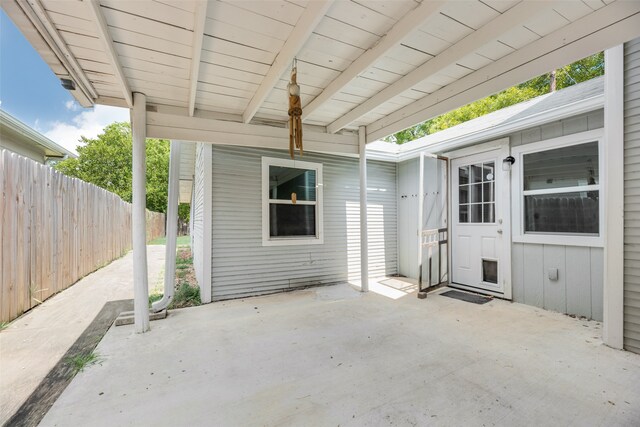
(295,113)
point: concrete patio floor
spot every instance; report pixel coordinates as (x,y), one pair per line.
(332,356)
(32,344)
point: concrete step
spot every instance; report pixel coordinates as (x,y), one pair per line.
(126,317)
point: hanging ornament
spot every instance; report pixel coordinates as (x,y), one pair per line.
(295,113)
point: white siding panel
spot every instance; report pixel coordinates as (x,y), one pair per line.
(631,205)
(241,266)
(578,290)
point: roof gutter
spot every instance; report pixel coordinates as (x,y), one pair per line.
(17,126)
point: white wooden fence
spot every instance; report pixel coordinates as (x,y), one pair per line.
(55,230)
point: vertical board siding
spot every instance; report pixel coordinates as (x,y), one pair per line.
(241,266)
(632,196)
(54,230)
(578,290)
(197,213)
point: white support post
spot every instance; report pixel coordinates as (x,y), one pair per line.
(172,229)
(207,218)
(139,220)
(364,241)
(613,298)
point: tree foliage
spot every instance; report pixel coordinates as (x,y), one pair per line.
(106,162)
(577,72)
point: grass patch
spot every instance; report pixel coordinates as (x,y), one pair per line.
(180,241)
(187,291)
(81,361)
(4,325)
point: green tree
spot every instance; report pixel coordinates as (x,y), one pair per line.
(106,162)
(577,72)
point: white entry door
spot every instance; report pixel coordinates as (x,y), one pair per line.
(478,226)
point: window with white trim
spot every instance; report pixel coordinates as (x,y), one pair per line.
(291,202)
(558,191)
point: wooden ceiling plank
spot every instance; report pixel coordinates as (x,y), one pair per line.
(599,30)
(467,45)
(309,19)
(103,34)
(396,34)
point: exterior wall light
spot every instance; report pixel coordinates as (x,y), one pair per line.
(68,84)
(507,162)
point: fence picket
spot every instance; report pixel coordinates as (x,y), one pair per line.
(55,230)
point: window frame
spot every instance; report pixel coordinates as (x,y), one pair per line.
(267,240)
(518,193)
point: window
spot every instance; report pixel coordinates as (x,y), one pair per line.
(559,191)
(476,193)
(291,202)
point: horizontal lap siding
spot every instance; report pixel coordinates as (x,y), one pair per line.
(241,266)
(632,196)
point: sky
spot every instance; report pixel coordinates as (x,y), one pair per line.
(31,93)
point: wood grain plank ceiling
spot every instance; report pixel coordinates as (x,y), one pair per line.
(154,42)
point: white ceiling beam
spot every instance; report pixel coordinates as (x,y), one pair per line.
(489,32)
(198,38)
(172,126)
(609,26)
(103,33)
(400,30)
(305,26)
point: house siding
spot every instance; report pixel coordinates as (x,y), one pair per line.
(197,215)
(632,196)
(579,288)
(241,266)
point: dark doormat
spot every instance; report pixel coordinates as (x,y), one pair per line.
(464,296)
(44,396)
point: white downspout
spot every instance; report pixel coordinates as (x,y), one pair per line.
(364,243)
(139,220)
(172,229)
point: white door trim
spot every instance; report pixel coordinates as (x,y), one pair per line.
(505,266)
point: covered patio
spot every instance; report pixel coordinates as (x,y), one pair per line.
(335,356)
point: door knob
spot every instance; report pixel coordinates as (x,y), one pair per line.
(499,231)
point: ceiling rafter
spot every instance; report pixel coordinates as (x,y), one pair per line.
(103,33)
(489,32)
(400,30)
(303,29)
(198,39)
(606,27)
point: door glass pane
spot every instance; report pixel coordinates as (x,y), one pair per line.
(488,173)
(463,194)
(487,192)
(463,213)
(488,214)
(490,271)
(562,213)
(476,173)
(476,193)
(475,212)
(463,175)
(572,166)
(292,220)
(284,181)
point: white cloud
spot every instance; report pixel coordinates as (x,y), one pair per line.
(72,105)
(88,123)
